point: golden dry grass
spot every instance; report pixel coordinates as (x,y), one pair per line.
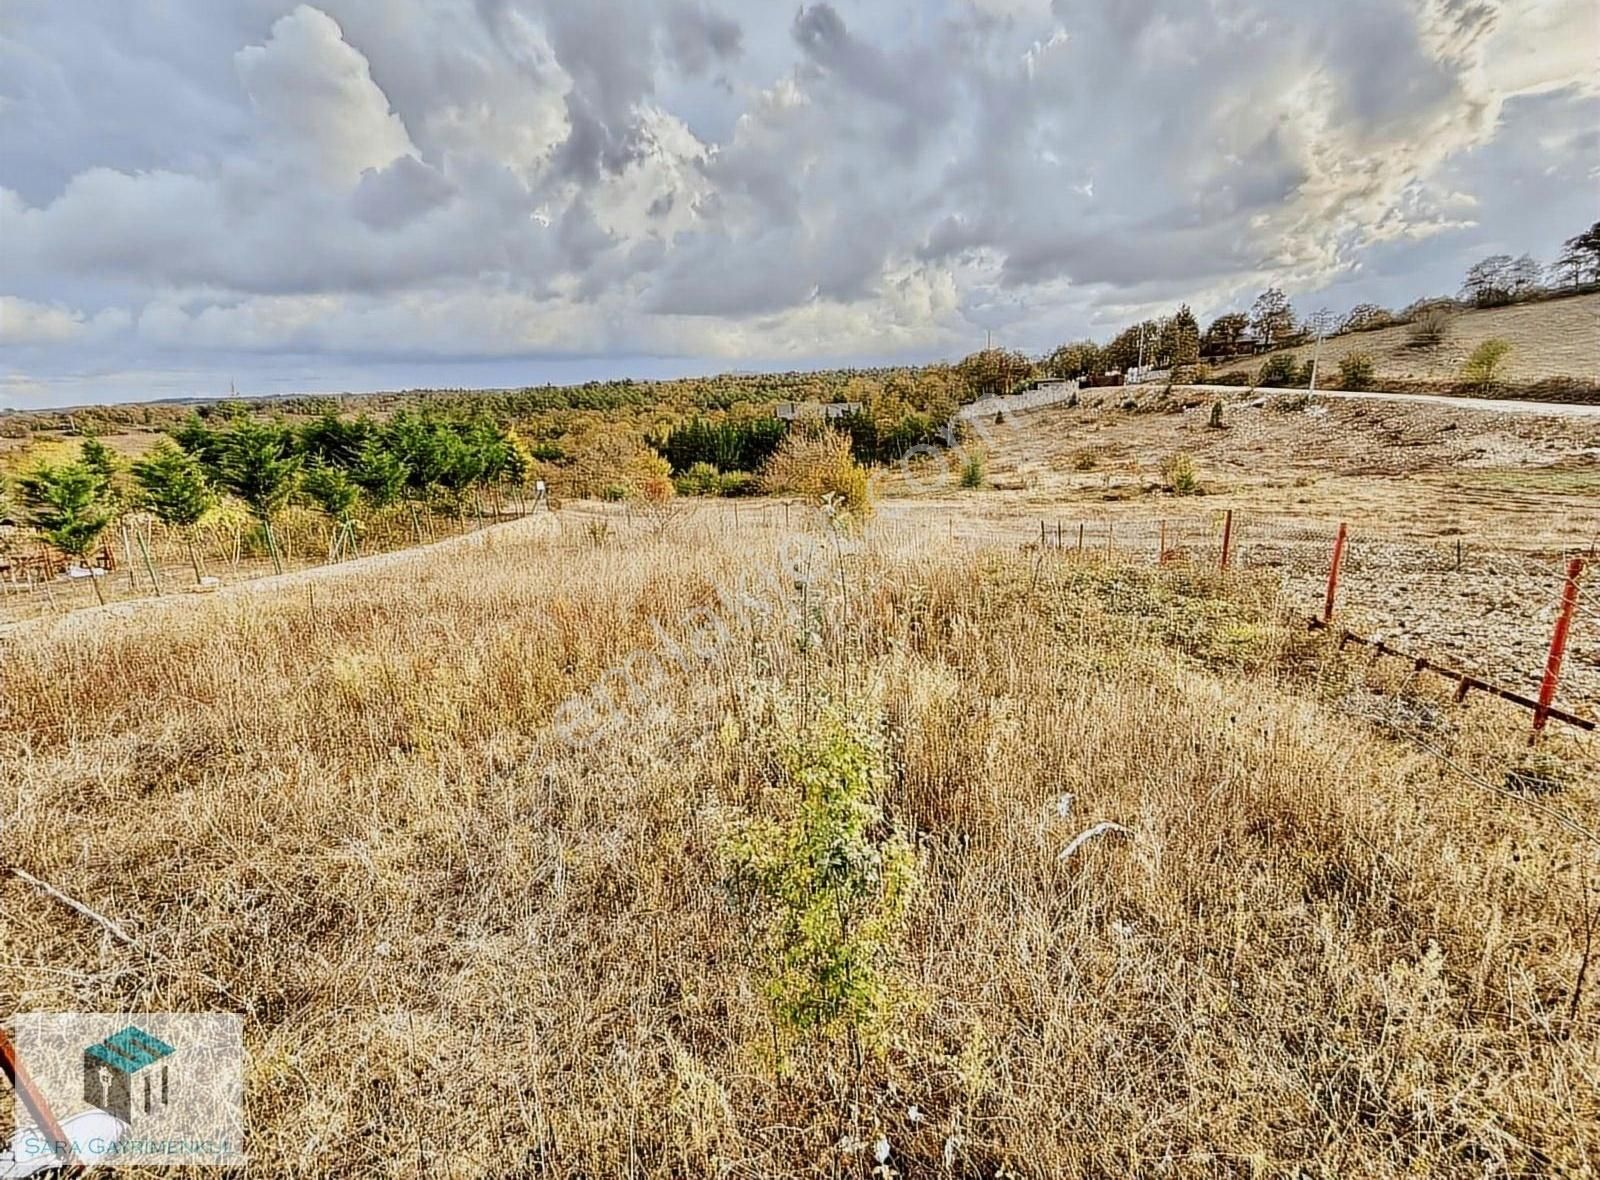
(1553,338)
(465,947)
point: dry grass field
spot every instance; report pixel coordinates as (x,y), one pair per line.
(1460,520)
(464,946)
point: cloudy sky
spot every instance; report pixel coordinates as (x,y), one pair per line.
(370,194)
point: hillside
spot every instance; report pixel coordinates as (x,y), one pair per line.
(1549,338)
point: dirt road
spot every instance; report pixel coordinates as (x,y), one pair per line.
(1491,405)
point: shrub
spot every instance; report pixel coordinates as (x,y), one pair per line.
(737,483)
(814,462)
(1178,472)
(1084,460)
(1215,421)
(826,886)
(1429,328)
(1232,377)
(702,479)
(1484,364)
(1355,371)
(1307,371)
(973,474)
(1279,371)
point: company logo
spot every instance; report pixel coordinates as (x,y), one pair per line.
(128,1075)
(136,1089)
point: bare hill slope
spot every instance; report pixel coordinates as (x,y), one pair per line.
(1553,338)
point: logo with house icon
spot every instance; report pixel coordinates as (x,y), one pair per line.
(127,1075)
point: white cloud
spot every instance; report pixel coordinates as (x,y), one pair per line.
(452,180)
(317,100)
(22,322)
(25,323)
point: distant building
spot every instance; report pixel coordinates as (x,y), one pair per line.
(793,411)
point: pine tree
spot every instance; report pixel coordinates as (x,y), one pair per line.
(259,466)
(379,473)
(65,505)
(99,459)
(335,493)
(175,490)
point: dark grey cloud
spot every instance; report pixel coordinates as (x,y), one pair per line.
(192,188)
(699,38)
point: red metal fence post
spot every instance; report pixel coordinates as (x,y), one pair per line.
(1227,536)
(1558,648)
(1333,574)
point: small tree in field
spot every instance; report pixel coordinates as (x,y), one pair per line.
(175,490)
(259,466)
(1279,372)
(1483,366)
(64,504)
(335,493)
(1355,371)
(827,887)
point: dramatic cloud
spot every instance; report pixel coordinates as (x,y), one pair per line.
(360,195)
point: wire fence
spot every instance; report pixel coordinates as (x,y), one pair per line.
(1488,613)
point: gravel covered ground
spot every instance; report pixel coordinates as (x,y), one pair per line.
(1491,616)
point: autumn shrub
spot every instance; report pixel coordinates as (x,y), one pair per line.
(817,462)
(702,479)
(1279,371)
(1483,366)
(1429,329)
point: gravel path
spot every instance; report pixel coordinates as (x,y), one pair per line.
(1492,405)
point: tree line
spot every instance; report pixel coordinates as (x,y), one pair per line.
(345,468)
(1272,323)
